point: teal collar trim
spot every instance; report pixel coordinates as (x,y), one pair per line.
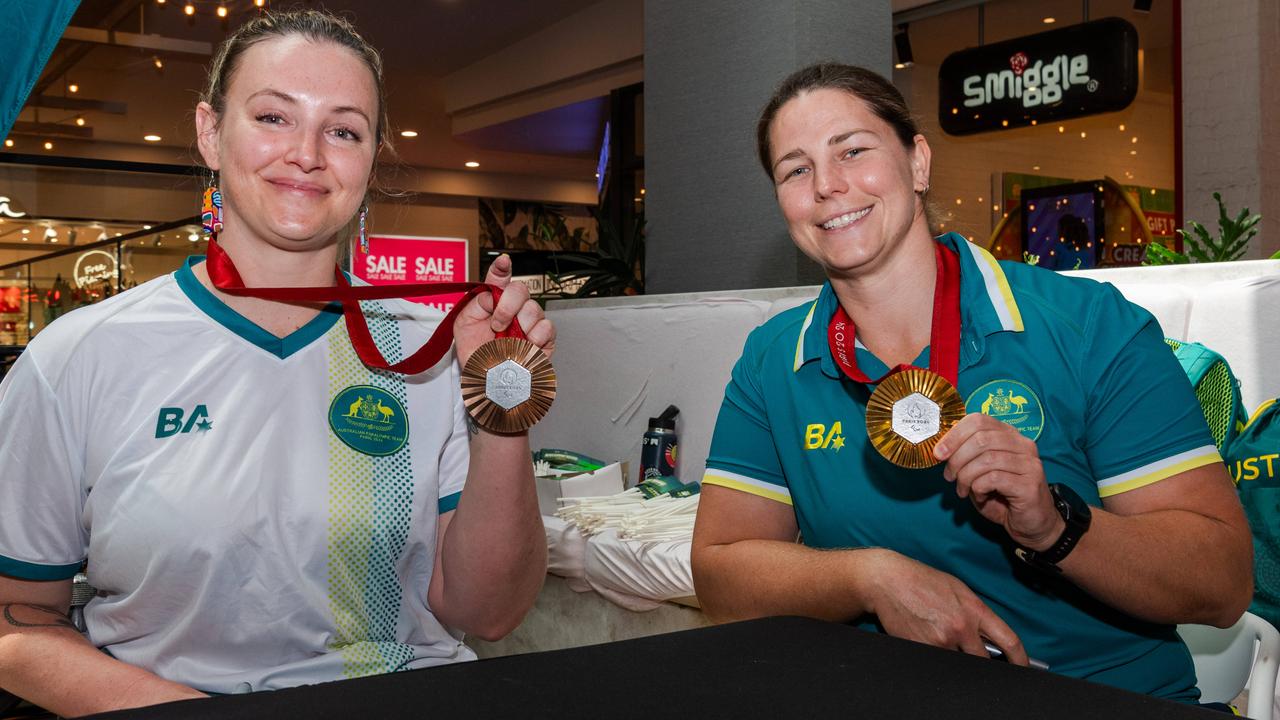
(222,314)
(987,306)
(31,571)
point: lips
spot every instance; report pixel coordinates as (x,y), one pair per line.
(298,186)
(844,220)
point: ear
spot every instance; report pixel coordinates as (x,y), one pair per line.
(207,135)
(921,157)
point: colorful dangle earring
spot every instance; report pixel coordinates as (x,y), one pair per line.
(211,212)
(364,229)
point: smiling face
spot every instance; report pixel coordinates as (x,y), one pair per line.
(845,183)
(294,146)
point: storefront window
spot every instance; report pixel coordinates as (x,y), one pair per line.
(1086,177)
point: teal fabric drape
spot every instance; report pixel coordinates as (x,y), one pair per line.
(29,30)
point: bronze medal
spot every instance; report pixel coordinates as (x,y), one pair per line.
(908,414)
(508,385)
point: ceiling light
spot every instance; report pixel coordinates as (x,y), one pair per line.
(1035,167)
(1133,152)
(1061,129)
(1083,134)
(260,3)
(409,133)
(73,88)
(222,11)
(26,231)
(902,45)
(80,120)
(1135,139)
(158,62)
(898,66)
(8,143)
(189,9)
(1049,20)
(193,237)
(48,145)
(151,138)
(472,164)
(159,2)
(1121,127)
(146,227)
(51,235)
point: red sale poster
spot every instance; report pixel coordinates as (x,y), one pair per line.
(402,259)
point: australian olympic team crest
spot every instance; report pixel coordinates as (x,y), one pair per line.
(1010,402)
(369,420)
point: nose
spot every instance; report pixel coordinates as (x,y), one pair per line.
(307,150)
(828,180)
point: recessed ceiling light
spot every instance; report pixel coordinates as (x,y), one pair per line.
(48,145)
(222,11)
(73,88)
(26,231)
(8,143)
(1049,21)
(260,3)
(158,62)
(80,120)
(409,133)
(898,66)
(151,138)
(189,9)
(472,164)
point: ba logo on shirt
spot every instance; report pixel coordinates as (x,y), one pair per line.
(369,420)
(171,421)
(818,437)
(1010,402)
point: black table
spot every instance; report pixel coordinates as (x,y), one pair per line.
(773,668)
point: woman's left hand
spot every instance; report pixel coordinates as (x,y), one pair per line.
(479,322)
(999,470)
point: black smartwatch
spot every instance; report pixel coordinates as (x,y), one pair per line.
(1077,516)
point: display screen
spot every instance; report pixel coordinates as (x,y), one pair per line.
(1061,225)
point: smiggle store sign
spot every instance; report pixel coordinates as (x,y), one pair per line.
(1073,72)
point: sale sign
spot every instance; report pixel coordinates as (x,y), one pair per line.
(402,259)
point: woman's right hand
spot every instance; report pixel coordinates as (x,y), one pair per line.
(916,602)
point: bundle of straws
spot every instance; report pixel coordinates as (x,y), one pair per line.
(635,518)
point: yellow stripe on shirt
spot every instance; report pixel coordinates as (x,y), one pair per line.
(1159,471)
(712,478)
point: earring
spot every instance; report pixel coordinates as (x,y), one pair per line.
(923,190)
(364,232)
(211,211)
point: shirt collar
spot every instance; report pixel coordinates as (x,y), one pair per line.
(987,304)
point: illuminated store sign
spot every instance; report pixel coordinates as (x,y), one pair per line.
(1076,71)
(6,211)
(93,267)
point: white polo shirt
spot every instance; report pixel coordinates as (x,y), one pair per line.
(257,512)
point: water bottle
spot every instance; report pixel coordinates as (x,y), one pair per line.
(658,449)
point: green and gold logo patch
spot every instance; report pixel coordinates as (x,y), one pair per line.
(369,420)
(1010,402)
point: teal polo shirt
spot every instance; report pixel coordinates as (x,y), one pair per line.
(1068,362)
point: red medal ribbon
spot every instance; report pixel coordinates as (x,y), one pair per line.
(944,334)
(225,277)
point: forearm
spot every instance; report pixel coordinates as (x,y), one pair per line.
(760,578)
(59,670)
(494,556)
(1168,566)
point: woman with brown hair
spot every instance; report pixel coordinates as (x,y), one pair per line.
(1040,489)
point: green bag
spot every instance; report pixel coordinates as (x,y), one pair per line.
(1254,461)
(1216,387)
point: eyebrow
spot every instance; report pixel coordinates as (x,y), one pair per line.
(286,97)
(834,140)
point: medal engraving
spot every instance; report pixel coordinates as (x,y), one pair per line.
(508,384)
(916,418)
(908,414)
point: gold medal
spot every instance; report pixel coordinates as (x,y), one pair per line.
(908,414)
(508,385)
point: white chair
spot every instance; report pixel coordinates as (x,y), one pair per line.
(1225,660)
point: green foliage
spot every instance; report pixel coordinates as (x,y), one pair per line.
(1233,238)
(618,267)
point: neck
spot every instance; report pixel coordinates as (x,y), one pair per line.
(263,265)
(892,306)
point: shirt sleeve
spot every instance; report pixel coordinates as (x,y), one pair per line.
(743,455)
(41,493)
(1143,422)
(455,456)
